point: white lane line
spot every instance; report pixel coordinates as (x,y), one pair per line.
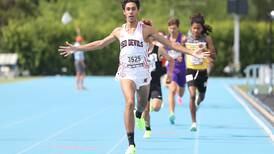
(257,119)
(61,131)
(22,121)
(265,111)
(116,145)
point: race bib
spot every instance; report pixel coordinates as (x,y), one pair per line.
(135,61)
(196,61)
(174,54)
(152,59)
(189,77)
(194,47)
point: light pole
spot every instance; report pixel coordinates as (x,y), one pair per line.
(236,43)
(270,41)
(237,8)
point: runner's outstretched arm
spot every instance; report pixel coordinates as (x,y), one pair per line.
(68,49)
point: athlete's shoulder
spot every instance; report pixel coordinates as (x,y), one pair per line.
(148,31)
(208,38)
(116,31)
(148,28)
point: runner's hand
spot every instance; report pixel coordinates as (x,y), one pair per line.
(201,53)
(66,50)
(168,78)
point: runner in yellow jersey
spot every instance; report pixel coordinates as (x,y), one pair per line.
(197,74)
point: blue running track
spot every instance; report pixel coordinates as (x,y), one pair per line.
(49,116)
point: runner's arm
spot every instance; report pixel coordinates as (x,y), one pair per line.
(69,49)
(168,58)
(211,48)
(175,46)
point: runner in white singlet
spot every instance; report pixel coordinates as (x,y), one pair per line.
(133,72)
(133,57)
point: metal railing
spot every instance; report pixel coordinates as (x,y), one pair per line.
(259,75)
(8,64)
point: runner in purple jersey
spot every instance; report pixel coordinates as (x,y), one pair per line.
(179,67)
(178,78)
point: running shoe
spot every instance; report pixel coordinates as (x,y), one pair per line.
(147,134)
(193,127)
(172,118)
(140,123)
(180,100)
(131,150)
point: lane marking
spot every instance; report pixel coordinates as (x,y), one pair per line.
(266,113)
(73,147)
(117,145)
(27,119)
(61,131)
(248,110)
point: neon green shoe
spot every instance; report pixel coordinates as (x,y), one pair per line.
(140,123)
(172,118)
(147,134)
(131,150)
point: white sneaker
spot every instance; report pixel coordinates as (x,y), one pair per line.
(131,150)
(193,127)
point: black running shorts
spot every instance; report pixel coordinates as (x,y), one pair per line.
(197,78)
(155,92)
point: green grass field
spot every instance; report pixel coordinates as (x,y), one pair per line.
(17,79)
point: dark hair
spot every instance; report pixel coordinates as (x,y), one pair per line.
(124,2)
(173,21)
(147,22)
(199,18)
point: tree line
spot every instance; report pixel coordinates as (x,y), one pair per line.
(33,30)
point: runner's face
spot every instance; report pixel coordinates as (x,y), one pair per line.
(196,29)
(131,12)
(173,29)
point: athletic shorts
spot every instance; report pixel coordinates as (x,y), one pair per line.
(179,77)
(140,77)
(197,78)
(155,92)
(79,66)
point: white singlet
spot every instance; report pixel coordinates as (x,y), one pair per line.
(133,59)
